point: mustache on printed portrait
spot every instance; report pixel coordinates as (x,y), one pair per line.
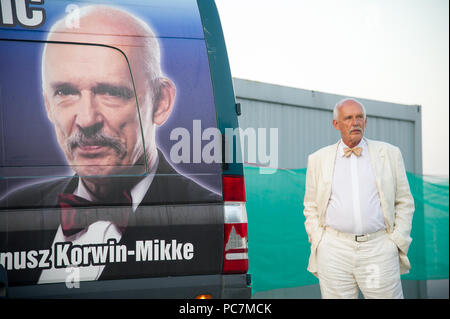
(98,138)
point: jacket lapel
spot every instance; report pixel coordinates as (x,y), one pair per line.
(330,160)
(327,178)
(377,159)
(159,187)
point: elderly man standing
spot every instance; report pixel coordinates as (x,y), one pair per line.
(358,209)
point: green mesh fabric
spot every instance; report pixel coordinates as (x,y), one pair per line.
(278,243)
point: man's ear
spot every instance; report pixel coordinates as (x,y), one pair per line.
(335,124)
(164,101)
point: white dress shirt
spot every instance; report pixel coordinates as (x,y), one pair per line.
(97,233)
(354,206)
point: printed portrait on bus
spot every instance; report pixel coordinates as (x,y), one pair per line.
(90,165)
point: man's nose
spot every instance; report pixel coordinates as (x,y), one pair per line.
(88,114)
(356,122)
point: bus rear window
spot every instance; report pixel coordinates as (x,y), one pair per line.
(107,101)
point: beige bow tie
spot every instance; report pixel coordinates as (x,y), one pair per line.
(356,150)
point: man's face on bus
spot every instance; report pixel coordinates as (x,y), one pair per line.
(90,98)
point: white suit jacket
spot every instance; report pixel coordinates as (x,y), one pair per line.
(396,200)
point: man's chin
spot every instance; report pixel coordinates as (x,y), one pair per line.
(96,171)
(105,165)
(356,135)
(105,171)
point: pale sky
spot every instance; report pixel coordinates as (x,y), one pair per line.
(388,50)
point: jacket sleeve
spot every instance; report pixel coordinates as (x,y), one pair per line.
(404,205)
(310,201)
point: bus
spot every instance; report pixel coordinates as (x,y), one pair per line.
(117,177)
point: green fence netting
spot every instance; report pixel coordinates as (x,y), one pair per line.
(278,243)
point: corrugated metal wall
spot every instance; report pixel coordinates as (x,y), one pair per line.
(304,122)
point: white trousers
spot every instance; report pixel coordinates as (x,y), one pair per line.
(344,265)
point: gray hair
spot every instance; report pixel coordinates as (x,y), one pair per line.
(341,102)
(150,50)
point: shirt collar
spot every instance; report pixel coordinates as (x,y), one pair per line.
(138,192)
